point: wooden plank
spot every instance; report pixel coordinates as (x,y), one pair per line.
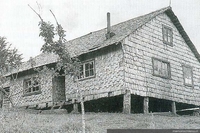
(182,110)
(174,107)
(146,105)
(127,102)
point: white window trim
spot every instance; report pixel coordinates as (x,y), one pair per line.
(171,34)
(92,76)
(188,66)
(26,93)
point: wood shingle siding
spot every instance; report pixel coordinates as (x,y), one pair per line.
(144,44)
(17,91)
(108,76)
(58,89)
(123,65)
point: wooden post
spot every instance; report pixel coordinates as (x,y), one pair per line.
(1,99)
(127,102)
(146,105)
(75,106)
(173,107)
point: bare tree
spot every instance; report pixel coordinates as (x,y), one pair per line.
(69,65)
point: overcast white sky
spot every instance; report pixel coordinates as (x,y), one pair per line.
(19,24)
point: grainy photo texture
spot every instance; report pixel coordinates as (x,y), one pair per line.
(99,66)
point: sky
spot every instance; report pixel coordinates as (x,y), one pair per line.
(19,24)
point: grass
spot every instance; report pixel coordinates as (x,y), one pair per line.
(26,121)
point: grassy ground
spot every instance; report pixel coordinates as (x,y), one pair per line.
(20,121)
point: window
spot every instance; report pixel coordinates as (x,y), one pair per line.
(86,70)
(167,35)
(187,75)
(31,85)
(161,68)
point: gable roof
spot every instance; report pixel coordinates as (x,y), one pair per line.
(40,60)
(181,30)
(97,40)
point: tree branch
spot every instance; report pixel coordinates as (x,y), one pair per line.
(36,13)
(39,7)
(54,17)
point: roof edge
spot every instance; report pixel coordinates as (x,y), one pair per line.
(183,33)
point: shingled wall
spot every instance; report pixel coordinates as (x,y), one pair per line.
(19,99)
(147,42)
(108,76)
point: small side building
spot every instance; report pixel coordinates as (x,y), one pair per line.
(28,88)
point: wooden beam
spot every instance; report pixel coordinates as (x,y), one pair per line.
(173,107)
(146,105)
(75,108)
(127,102)
(187,109)
(62,104)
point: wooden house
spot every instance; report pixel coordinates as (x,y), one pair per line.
(146,59)
(27,88)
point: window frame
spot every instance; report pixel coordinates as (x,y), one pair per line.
(167,28)
(168,68)
(84,63)
(26,88)
(184,75)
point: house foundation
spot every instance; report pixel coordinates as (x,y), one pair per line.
(75,108)
(146,105)
(159,105)
(112,104)
(127,102)
(173,107)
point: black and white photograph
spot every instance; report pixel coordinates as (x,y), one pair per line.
(99,66)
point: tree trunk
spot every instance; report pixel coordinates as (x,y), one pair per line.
(82,106)
(82,112)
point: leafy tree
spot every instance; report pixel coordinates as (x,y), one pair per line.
(69,65)
(9,59)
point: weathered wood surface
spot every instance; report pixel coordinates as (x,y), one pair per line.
(173,107)
(127,67)
(146,105)
(146,43)
(58,89)
(17,92)
(108,76)
(127,102)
